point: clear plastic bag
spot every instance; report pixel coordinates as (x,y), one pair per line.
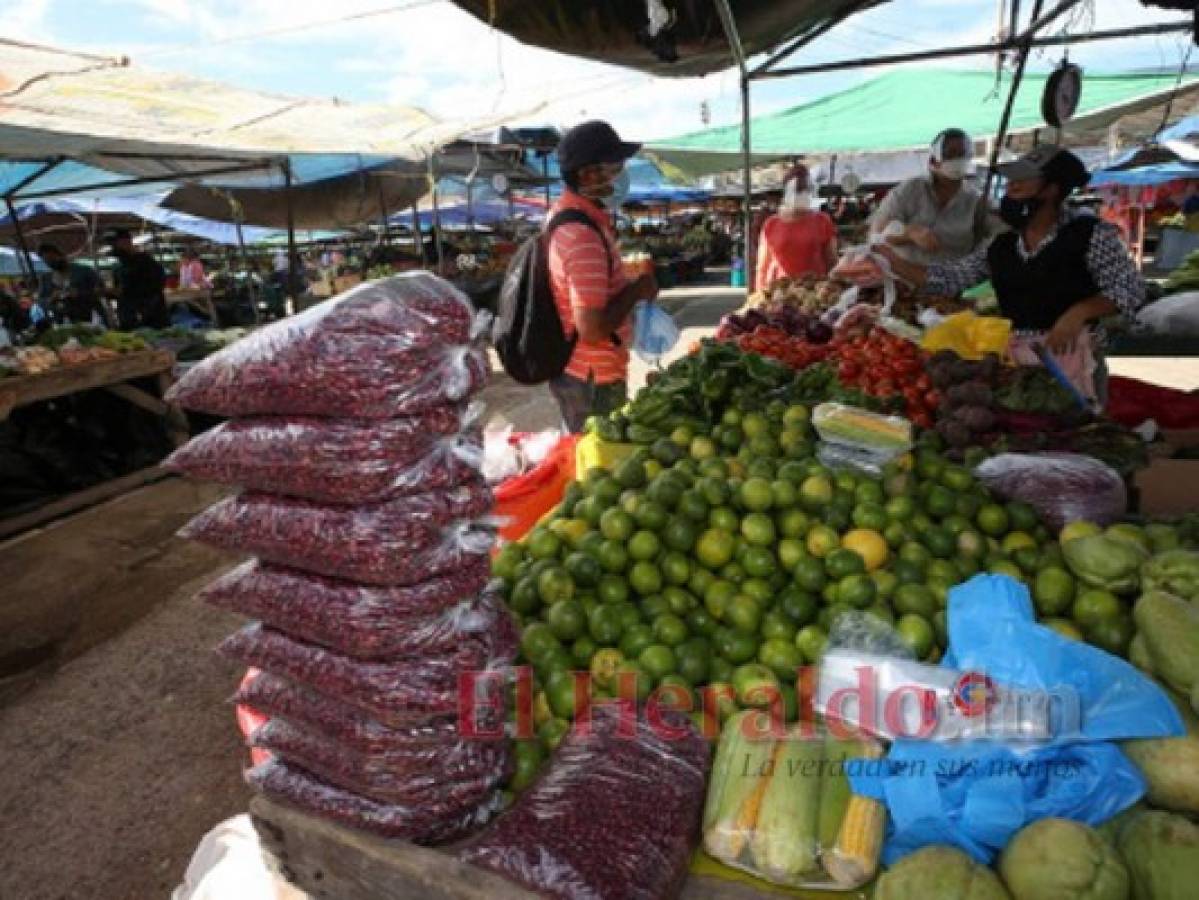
(837,423)
(400,541)
(446,819)
(1061,487)
(401,692)
(386,348)
(844,457)
(349,461)
(613,817)
(362,621)
(349,726)
(781,808)
(420,775)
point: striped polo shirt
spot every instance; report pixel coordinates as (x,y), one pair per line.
(582,278)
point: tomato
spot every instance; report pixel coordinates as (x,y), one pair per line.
(924,383)
(905,366)
(848,371)
(922,419)
(932,399)
(913,397)
(885,387)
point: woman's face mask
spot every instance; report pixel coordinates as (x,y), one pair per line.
(953,169)
(794,199)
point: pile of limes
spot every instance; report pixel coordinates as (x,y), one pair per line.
(725,558)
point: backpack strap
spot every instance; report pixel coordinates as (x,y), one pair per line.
(577,216)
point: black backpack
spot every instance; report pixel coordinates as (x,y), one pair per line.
(528,333)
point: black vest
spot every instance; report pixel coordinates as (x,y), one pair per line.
(1034,293)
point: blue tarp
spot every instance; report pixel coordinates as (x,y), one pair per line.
(1145,176)
(458,215)
(11,265)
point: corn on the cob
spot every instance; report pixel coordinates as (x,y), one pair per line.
(784,838)
(835,421)
(740,775)
(834,791)
(854,857)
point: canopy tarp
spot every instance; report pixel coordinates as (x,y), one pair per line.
(1145,176)
(692,42)
(904,109)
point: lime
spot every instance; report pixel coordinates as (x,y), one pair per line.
(715,491)
(644,545)
(798,605)
(680,535)
(776,624)
(955,524)
(759,562)
(537,640)
(915,553)
(604,665)
(1113,634)
(693,506)
(914,598)
(744,614)
(842,562)
(702,448)
(759,590)
(796,415)
(505,563)
(524,598)
(719,670)
(543,544)
(792,523)
(715,548)
(658,660)
(604,624)
(1053,591)
(733,572)
(551,733)
(1022,516)
(633,682)
(896,533)
(630,615)
(736,647)
(683,436)
(957,479)
(816,492)
(993,520)
(529,755)
(699,581)
(1094,606)
(725,519)
(1028,559)
(809,574)
(555,584)
(612,556)
(645,578)
(714,468)
(822,541)
(701,622)
(756,685)
(755,495)
(943,570)
(810,641)
(870,516)
(567,620)
(616,525)
(718,597)
(970,543)
(900,509)
(567,696)
(582,650)
(790,552)
(857,590)
(1005,567)
(758,528)
(940,542)
(584,570)
(630,474)
(612,589)
(940,502)
(783,494)
(669,629)
(917,632)
(782,657)
(676,568)
(653,606)
(730,437)
(1017,540)
(755,424)
(649,515)
(1064,627)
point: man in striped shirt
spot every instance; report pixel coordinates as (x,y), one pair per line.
(594,298)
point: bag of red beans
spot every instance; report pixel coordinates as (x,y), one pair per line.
(400,541)
(350,461)
(386,348)
(454,813)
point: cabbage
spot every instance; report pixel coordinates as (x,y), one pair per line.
(1061,487)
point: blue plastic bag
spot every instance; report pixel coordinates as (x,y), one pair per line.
(975,795)
(654,331)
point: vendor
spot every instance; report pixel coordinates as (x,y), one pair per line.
(1055,274)
(74,288)
(140,281)
(936,217)
(191,271)
(798,240)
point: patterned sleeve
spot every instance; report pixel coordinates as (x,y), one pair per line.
(1113,270)
(950,279)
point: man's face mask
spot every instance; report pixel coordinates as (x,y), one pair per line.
(607,183)
(953,169)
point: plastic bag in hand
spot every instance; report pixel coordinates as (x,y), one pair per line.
(348,461)
(401,692)
(468,768)
(654,331)
(364,621)
(400,541)
(386,348)
(448,818)
(614,817)
(1061,487)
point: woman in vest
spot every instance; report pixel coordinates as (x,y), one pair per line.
(1056,273)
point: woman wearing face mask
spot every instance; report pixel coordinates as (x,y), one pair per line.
(1055,273)
(936,217)
(798,239)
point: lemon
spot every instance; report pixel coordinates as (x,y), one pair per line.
(868,544)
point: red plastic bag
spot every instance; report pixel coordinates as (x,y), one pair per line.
(360,620)
(614,817)
(386,348)
(523,499)
(1061,487)
(405,691)
(469,768)
(456,813)
(400,541)
(350,461)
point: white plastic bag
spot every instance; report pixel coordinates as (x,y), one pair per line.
(1176,315)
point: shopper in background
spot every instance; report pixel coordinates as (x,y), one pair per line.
(594,299)
(139,285)
(798,239)
(72,288)
(936,217)
(191,271)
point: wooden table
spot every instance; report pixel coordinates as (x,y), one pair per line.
(111,375)
(199,299)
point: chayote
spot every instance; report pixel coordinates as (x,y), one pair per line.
(1169,629)
(1161,851)
(1107,562)
(1059,859)
(1170,765)
(939,873)
(1175,572)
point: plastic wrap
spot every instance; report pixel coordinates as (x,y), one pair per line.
(467,768)
(841,457)
(404,691)
(350,461)
(781,807)
(361,620)
(615,816)
(837,423)
(386,348)
(1061,487)
(347,725)
(400,541)
(446,819)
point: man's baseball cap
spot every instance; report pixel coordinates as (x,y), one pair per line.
(1053,164)
(591,143)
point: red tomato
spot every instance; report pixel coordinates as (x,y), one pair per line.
(924,383)
(885,387)
(848,370)
(932,399)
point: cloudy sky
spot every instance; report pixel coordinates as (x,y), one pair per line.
(428,53)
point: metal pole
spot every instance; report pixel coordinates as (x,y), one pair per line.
(545,173)
(1017,77)
(436,211)
(418,241)
(21,245)
(383,212)
(729,22)
(293,257)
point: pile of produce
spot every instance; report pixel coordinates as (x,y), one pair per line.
(68,345)
(785,319)
(1186,276)
(369,594)
(808,294)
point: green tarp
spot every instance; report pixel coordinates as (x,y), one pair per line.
(904,109)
